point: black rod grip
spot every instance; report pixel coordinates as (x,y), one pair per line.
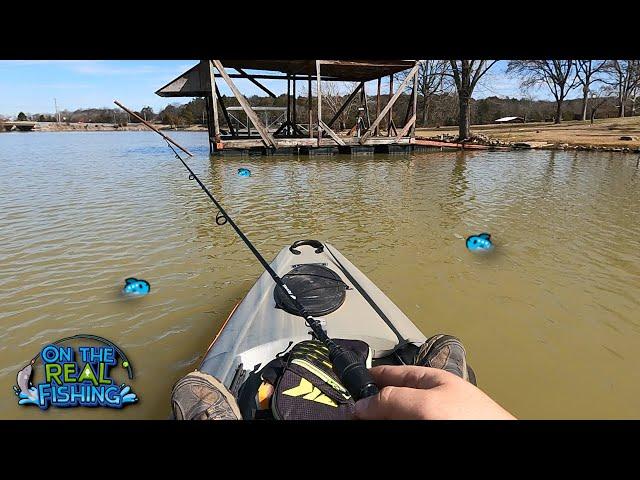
(352,372)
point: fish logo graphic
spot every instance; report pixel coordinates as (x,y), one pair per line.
(481,242)
(25,390)
(134,286)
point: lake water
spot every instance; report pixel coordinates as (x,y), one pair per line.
(551,320)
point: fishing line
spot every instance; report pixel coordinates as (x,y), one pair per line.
(347,364)
(221,217)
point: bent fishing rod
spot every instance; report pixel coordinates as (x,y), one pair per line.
(347,364)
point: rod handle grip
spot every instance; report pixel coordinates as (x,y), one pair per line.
(353,373)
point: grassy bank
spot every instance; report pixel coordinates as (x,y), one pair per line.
(604,133)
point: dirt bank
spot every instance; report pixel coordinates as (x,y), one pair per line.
(611,134)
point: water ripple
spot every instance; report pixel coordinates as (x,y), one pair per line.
(82,211)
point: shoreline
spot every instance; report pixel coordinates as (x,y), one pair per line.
(105,127)
(605,135)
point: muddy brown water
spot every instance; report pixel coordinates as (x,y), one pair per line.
(551,320)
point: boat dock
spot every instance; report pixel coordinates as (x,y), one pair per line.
(314,130)
(22,126)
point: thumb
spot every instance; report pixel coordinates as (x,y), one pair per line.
(362,406)
(391,403)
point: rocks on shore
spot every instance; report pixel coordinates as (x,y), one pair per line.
(481,139)
(476,139)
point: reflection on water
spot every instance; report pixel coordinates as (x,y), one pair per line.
(550,320)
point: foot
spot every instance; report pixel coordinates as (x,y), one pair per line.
(199,396)
(446,353)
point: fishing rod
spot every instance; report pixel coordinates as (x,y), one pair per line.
(349,367)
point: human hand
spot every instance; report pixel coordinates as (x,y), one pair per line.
(424,393)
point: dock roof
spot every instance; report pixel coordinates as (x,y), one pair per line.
(344,70)
(188,84)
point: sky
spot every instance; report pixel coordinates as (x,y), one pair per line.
(32,86)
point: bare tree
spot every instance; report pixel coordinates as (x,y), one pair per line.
(624,76)
(334,95)
(558,75)
(600,98)
(528,100)
(587,75)
(634,98)
(466,74)
(432,80)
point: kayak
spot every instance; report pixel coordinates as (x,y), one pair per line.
(333,290)
(313,298)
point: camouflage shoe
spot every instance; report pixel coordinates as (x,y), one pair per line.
(199,396)
(446,353)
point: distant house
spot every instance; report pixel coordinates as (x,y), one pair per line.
(510,120)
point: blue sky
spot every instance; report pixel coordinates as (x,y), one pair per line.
(31,86)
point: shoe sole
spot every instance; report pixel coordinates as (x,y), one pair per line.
(432,343)
(197,377)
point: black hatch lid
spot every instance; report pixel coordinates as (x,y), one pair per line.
(318,288)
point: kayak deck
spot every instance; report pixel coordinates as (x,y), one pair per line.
(256,331)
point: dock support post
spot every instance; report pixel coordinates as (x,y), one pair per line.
(389,105)
(390,119)
(310,106)
(267,139)
(293,108)
(319,95)
(210,134)
(209,81)
(366,105)
(225,113)
(415,105)
(288,121)
(377,130)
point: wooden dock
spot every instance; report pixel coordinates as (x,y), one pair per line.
(370,132)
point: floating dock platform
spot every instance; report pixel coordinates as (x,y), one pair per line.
(311,131)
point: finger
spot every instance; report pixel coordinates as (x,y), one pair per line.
(392,403)
(408,376)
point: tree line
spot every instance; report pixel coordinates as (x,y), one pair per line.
(608,88)
(445,89)
(605,84)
